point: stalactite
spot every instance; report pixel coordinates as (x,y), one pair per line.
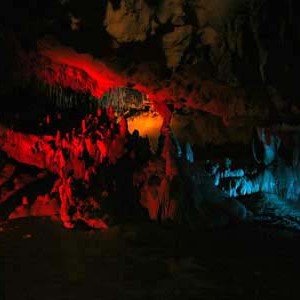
(50,93)
(70,99)
(60,93)
(47,91)
(56,96)
(68,102)
(60,98)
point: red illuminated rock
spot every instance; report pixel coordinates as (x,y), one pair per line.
(6,173)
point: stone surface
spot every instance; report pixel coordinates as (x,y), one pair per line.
(130,22)
(233,59)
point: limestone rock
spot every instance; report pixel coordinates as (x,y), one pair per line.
(172,10)
(131,22)
(6,173)
(176,43)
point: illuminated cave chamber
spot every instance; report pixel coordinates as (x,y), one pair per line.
(165,166)
(174,125)
(205,85)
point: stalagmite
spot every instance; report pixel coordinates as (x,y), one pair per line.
(189,153)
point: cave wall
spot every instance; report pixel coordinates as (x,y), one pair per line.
(233,59)
(223,37)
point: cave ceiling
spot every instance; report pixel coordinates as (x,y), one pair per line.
(234,59)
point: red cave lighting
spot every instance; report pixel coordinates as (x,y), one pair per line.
(93,75)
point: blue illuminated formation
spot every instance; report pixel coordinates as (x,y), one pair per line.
(189,153)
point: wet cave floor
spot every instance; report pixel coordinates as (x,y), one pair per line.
(39,259)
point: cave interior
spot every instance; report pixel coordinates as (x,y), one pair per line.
(149,149)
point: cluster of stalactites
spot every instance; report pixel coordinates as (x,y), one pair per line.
(121,99)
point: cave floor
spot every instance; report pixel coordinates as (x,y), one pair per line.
(39,259)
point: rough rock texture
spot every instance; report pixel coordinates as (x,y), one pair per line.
(234,59)
(175,44)
(58,65)
(130,23)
